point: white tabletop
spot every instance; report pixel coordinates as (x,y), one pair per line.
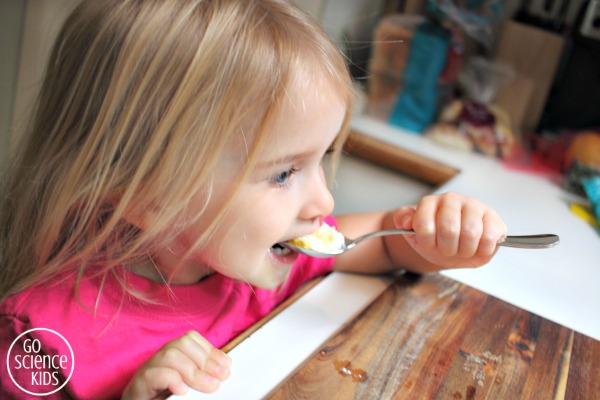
(561,284)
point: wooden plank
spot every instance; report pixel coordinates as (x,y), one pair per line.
(475,370)
(540,344)
(432,337)
(584,374)
(387,342)
(398,159)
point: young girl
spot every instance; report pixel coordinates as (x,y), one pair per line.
(175,143)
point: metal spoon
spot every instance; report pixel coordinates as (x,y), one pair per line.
(542,241)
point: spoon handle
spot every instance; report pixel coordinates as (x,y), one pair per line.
(542,241)
(384,232)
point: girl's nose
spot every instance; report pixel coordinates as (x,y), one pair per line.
(319,201)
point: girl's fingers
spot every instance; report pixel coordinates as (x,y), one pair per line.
(471,231)
(451,231)
(160,378)
(174,360)
(153,382)
(424,222)
(188,361)
(403,217)
(448,225)
(455,225)
(201,361)
(217,361)
(494,230)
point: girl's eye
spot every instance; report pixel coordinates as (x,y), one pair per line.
(283,178)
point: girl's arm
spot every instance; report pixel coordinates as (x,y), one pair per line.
(452,231)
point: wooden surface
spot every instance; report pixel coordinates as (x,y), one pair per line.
(398,159)
(431,337)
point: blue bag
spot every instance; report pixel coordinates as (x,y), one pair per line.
(417,104)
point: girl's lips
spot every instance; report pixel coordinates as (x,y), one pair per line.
(283,255)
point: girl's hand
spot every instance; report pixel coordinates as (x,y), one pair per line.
(188,361)
(451,231)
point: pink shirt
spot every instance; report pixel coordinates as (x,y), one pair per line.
(111,343)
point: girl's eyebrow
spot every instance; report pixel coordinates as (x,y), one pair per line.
(285,160)
(292,157)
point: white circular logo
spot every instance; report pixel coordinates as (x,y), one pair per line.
(28,367)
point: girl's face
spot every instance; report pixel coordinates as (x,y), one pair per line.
(284,196)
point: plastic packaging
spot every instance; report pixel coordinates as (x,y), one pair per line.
(477,18)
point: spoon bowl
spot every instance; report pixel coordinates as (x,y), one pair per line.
(542,241)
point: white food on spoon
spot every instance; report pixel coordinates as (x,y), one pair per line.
(326,240)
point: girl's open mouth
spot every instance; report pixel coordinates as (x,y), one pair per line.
(280,251)
(283,255)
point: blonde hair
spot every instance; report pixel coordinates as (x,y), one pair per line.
(139,100)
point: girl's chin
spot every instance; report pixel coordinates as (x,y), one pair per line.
(277,270)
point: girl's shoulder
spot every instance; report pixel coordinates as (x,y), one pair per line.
(45,300)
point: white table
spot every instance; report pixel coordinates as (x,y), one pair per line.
(561,284)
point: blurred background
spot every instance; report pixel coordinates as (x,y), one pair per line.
(516,80)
